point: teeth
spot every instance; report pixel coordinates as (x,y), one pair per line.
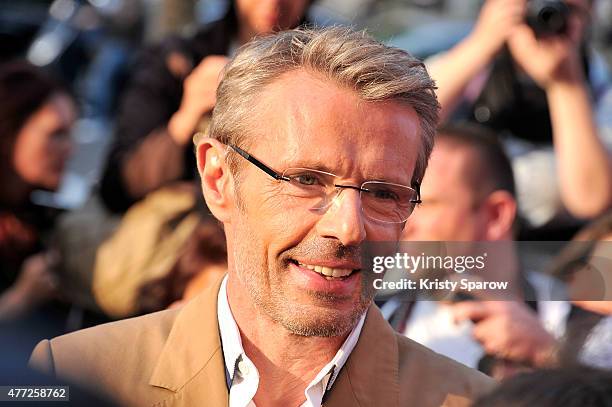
(328,272)
(341,272)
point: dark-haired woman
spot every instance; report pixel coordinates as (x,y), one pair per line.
(36,114)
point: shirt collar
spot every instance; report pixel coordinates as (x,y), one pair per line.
(230,335)
(233,350)
(326,377)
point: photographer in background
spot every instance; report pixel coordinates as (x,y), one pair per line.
(539,88)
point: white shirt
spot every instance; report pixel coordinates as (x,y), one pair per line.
(243,379)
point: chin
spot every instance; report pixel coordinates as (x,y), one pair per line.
(320,321)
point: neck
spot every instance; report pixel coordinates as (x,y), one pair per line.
(286,362)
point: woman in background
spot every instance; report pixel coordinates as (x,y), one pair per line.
(36,114)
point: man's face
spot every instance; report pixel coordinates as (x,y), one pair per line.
(449,211)
(304,121)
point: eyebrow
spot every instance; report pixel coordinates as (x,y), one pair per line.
(312,166)
(325,168)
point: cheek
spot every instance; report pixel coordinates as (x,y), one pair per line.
(30,156)
(273,219)
(383,232)
(450,224)
(464,223)
(286,228)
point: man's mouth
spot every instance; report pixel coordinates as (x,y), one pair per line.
(329,273)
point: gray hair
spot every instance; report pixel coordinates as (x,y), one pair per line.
(376,72)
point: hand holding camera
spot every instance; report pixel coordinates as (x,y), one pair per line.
(547,46)
(547,60)
(496,23)
(543,36)
(547,17)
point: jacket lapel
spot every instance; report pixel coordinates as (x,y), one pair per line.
(191,362)
(370,376)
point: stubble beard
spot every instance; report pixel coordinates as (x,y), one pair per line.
(266,290)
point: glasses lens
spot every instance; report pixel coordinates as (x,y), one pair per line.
(381,201)
(309,184)
(386,202)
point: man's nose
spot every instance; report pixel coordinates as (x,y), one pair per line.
(343,219)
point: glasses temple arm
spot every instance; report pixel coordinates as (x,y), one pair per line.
(259,164)
(417,187)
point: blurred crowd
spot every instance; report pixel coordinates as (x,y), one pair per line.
(523,152)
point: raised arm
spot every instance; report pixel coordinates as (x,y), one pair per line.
(454,70)
(158,115)
(584,167)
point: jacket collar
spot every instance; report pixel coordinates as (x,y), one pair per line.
(193,348)
(370,376)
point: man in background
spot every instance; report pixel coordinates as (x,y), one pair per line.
(541,90)
(468,196)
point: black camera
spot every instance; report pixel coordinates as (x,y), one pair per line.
(547,17)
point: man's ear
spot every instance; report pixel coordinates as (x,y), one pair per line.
(501,210)
(217,182)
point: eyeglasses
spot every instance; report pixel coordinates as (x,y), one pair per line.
(380,201)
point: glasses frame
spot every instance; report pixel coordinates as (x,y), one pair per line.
(280,177)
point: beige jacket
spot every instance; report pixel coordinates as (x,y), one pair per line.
(174,358)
